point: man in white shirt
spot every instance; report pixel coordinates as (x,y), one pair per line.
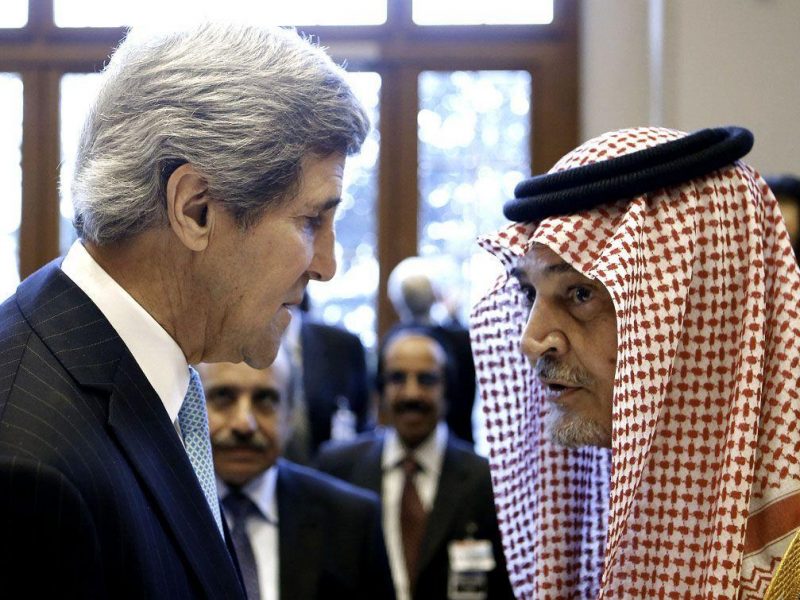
(299,534)
(438,512)
(205,187)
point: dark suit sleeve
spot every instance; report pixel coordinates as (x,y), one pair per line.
(335,459)
(360,394)
(48,548)
(378,583)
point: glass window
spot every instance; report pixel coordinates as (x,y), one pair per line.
(102,13)
(349,299)
(14,13)
(480,12)
(474,131)
(10,181)
(78,91)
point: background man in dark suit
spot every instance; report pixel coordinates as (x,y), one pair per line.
(205,187)
(299,534)
(329,392)
(438,510)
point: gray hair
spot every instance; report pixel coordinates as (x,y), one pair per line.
(411,289)
(243,104)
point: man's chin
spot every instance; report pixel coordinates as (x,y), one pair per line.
(263,357)
(576,432)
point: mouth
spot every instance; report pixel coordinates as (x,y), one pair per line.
(412,407)
(558,391)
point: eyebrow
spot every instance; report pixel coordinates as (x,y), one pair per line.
(328,204)
(561,267)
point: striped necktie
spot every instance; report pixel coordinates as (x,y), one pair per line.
(193,422)
(239,508)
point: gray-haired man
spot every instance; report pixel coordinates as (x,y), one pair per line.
(207,178)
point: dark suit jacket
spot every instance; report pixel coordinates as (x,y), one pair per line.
(333,365)
(98,498)
(330,538)
(464,503)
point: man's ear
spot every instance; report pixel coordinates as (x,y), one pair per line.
(188,207)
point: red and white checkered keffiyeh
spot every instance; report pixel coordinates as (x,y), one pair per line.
(701,493)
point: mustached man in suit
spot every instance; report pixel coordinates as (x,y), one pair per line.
(299,534)
(438,510)
(207,178)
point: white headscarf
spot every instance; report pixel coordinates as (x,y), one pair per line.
(700,494)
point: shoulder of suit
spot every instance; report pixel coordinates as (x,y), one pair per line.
(465,454)
(14,333)
(355,447)
(323,485)
(329,330)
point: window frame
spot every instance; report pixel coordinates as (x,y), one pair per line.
(399,50)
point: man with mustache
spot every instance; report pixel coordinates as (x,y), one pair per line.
(438,511)
(639,367)
(299,534)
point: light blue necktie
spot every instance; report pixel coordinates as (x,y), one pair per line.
(193,421)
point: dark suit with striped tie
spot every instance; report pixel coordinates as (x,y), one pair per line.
(97,496)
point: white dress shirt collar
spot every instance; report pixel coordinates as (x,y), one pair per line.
(156,353)
(262,492)
(429,454)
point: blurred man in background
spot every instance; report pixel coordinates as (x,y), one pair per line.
(438,510)
(298,534)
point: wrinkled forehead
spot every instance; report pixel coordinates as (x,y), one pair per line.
(540,261)
(411,348)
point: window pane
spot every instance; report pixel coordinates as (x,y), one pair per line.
(14,13)
(78,91)
(10,181)
(350,297)
(474,130)
(102,13)
(480,12)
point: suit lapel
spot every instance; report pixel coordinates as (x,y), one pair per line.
(299,539)
(444,509)
(140,424)
(97,358)
(367,471)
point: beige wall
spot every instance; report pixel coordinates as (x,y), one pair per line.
(724,62)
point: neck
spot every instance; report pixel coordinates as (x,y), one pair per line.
(157,273)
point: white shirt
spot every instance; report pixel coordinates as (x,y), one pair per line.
(429,455)
(262,529)
(156,353)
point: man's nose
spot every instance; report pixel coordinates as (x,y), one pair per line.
(323,264)
(411,387)
(542,334)
(243,419)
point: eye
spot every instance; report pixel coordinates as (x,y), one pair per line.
(528,292)
(428,379)
(394,378)
(581,294)
(266,400)
(221,397)
(314,222)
